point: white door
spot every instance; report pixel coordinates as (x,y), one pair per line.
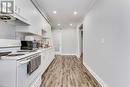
(57,36)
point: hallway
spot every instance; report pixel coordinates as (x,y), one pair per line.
(67,71)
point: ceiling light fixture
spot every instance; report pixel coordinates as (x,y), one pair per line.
(54,12)
(58,24)
(75,13)
(71,24)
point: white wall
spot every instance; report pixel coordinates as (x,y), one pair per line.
(7,31)
(107,41)
(56,37)
(69,41)
(69,44)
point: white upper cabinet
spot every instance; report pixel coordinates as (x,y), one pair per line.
(20,8)
(26,10)
(34,17)
(18,11)
(48,34)
(47,28)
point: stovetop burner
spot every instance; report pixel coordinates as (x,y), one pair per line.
(15,54)
(26,50)
(4,53)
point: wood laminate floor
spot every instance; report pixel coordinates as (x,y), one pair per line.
(68,71)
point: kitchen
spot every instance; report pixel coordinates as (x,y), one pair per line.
(26,47)
(64,43)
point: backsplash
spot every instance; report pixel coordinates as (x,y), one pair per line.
(9,45)
(8,31)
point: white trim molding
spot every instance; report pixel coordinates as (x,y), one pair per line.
(57,53)
(103,84)
(68,54)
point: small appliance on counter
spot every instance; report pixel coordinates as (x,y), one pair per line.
(19,68)
(29,45)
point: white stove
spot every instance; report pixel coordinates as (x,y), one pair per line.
(21,69)
(14,67)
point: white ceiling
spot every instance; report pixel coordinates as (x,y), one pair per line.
(65,9)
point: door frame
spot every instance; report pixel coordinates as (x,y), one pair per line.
(60,43)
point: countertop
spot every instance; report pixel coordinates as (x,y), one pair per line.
(26,54)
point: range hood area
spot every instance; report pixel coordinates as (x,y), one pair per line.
(12,12)
(13,19)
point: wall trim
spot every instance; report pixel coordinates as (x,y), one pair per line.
(103,84)
(66,54)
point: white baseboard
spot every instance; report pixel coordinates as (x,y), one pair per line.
(66,54)
(78,56)
(96,76)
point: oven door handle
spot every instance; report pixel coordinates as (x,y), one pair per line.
(24,62)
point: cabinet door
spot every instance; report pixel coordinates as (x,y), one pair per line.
(47,58)
(43,66)
(50,57)
(52,54)
(47,28)
(40,24)
(26,10)
(21,8)
(35,18)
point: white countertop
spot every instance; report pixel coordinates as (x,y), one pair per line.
(26,54)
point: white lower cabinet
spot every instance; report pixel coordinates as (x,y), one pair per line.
(14,75)
(47,58)
(37,82)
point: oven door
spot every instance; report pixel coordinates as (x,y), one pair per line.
(22,75)
(33,77)
(24,79)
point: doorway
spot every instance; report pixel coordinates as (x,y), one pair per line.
(57,40)
(81,42)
